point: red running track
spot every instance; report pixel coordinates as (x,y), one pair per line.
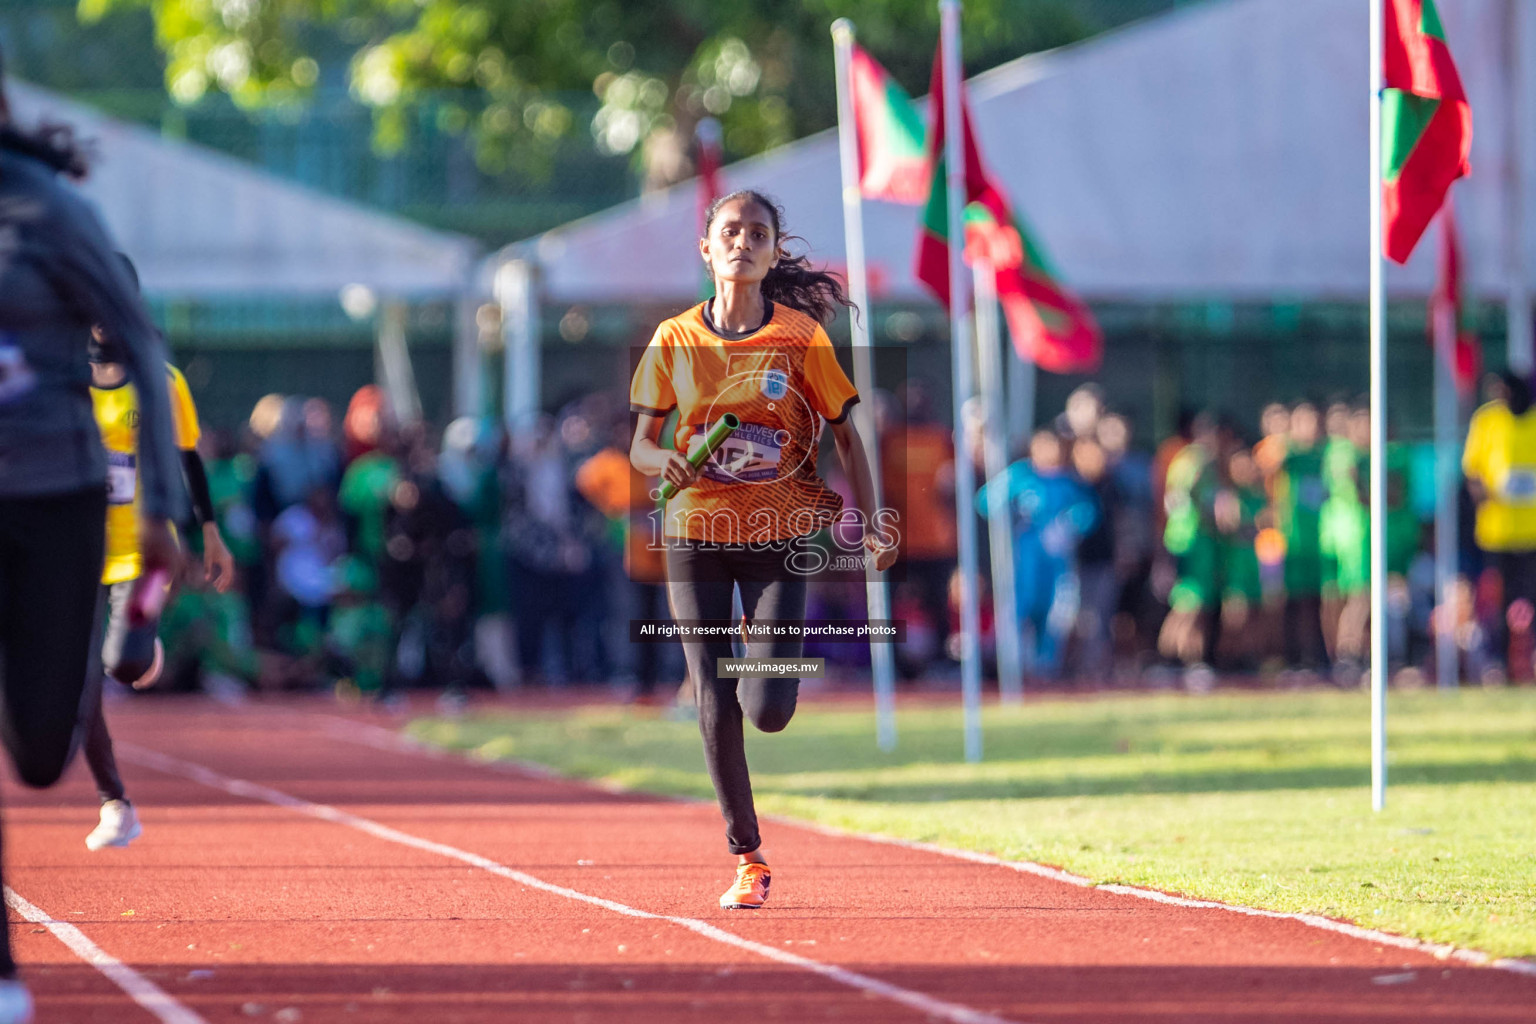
(295,869)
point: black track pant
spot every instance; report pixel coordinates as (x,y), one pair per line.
(1518,568)
(50,678)
(127,652)
(700,582)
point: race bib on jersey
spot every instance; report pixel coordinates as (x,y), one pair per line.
(750,455)
(1520,486)
(122,478)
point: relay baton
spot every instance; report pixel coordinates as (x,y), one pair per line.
(147,597)
(724,427)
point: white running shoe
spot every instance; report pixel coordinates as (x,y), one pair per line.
(152,674)
(119,827)
(15,1003)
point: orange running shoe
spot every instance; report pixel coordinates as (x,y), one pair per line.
(750,890)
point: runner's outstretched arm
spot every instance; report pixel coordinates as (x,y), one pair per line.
(218,563)
(850,451)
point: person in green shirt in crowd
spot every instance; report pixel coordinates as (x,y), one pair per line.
(1339,454)
(1347,531)
(231,476)
(360,633)
(231,483)
(1192,539)
(207,638)
(366,487)
(1299,495)
(470,467)
(1238,506)
(207,634)
(1344,534)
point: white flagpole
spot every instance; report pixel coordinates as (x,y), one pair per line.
(1010,670)
(1021,399)
(881,659)
(1447,420)
(1378,437)
(518,296)
(964,377)
(1522,360)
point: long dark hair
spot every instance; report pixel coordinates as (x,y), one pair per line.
(791,280)
(53,144)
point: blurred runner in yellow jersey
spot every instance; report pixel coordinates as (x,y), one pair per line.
(117,414)
(131,652)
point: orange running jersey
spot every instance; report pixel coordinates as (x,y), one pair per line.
(781,380)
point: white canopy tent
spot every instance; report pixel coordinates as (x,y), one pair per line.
(200,224)
(1219,151)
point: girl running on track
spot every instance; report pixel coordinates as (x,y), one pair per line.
(756,350)
(59,274)
(130,651)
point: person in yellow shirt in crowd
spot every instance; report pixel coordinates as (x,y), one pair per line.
(757,351)
(131,652)
(1500,465)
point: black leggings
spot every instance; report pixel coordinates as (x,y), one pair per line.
(50,573)
(127,652)
(700,581)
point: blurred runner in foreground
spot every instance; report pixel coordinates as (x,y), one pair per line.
(131,652)
(59,274)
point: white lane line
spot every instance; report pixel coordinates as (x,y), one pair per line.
(137,987)
(936,1009)
(384,739)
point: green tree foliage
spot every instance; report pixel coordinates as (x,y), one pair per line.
(509,67)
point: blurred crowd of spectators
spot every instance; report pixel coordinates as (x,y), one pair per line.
(1216,553)
(1228,554)
(374,557)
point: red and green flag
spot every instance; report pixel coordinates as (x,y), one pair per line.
(707,135)
(933,229)
(1048,324)
(1426,123)
(1452,330)
(893,165)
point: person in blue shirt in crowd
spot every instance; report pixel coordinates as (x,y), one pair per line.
(1051,510)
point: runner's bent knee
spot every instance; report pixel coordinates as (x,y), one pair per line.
(769,703)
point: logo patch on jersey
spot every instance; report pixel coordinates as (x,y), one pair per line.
(775,384)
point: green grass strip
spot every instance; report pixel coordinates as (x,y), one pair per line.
(1256,799)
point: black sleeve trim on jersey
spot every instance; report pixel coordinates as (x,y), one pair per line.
(197,486)
(646,410)
(853,400)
